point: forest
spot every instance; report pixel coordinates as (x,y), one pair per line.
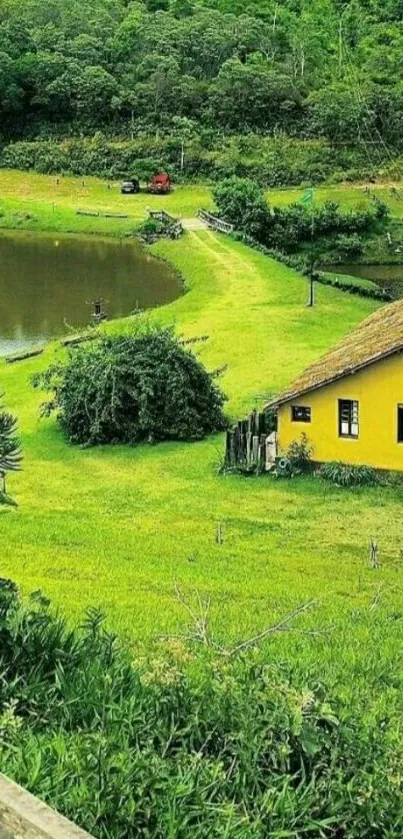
(307,69)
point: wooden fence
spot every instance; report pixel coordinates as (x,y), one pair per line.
(98,214)
(215,223)
(246,444)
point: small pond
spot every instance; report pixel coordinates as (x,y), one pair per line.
(48,283)
(388,277)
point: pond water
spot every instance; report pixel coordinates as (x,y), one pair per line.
(48,283)
(388,277)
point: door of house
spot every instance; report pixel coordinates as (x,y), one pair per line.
(271,449)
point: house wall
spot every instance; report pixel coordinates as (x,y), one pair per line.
(378,390)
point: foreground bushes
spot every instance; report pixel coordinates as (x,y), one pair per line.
(133,387)
(184,746)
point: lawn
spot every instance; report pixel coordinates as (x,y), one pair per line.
(52,202)
(348,195)
(43,202)
(119,528)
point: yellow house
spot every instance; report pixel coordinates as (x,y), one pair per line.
(350,402)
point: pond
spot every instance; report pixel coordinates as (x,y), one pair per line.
(48,283)
(388,277)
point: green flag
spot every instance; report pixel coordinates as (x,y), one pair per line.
(307,198)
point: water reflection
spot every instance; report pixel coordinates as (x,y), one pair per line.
(48,282)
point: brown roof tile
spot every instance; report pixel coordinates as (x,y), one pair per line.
(377,337)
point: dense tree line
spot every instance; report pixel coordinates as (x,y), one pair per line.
(309,68)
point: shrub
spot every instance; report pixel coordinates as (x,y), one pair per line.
(297,460)
(241,202)
(349,247)
(348,475)
(151,229)
(133,387)
(10,449)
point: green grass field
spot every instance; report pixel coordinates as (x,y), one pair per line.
(119,527)
(53,202)
(43,202)
(348,195)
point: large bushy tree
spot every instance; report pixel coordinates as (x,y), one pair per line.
(241,202)
(127,388)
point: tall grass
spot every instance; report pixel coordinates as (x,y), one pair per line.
(180,745)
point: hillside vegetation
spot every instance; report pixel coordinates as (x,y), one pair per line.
(206,87)
(223,65)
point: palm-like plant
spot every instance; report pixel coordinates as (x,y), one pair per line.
(10,447)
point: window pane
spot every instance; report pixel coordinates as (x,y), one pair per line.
(400,424)
(348,418)
(300,413)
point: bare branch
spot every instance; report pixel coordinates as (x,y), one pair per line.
(199,631)
(281,626)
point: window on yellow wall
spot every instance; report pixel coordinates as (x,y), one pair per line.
(400,423)
(300,413)
(348,418)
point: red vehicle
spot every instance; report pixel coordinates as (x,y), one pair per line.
(160,184)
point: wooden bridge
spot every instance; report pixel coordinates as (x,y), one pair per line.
(215,223)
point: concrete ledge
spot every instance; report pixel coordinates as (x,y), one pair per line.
(22,816)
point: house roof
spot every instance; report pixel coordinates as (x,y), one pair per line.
(377,337)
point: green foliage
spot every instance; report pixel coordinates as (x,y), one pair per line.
(138,386)
(322,70)
(352,285)
(297,459)
(348,475)
(10,448)
(151,229)
(242,202)
(299,454)
(182,744)
(348,247)
(270,161)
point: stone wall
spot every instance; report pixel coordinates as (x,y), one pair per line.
(22,816)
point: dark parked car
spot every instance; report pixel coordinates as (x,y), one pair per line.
(130,187)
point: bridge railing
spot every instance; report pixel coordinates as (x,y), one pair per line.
(215,223)
(161,215)
(175,224)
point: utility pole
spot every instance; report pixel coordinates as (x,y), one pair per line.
(308,201)
(311,301)
(340,44)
